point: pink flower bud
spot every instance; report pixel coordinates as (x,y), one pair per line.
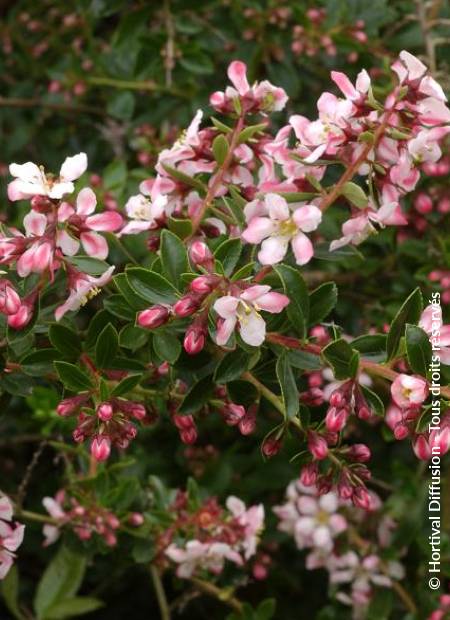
(233,413)
(183,422)
(101,447)
(153,317)
(9,299)
(421,448)
(361,498)
(336,419)
(203,284)
(344,487)
(138,411)
(308,474)
(186,306)
(271,446)
(21,318)
(194,340)
(336,398)
(248,423)
(105,412)
(110,539)
(359,452)
(136,519)
(423,203)
(259,571)
(189,436)
(439,441)
(317,446)
(201,255)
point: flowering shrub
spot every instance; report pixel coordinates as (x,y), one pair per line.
(260,304)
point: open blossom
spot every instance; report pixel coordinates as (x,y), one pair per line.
(145,210)
(31,180)
(250,519)
(261,97)
(409,391)
(431,321)
(357,229)
(281,227)
(243,310)
(207,556)
(11,535)
(313,520)
(82,288)
(81,223)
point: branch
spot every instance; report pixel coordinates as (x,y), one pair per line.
(160,594)
(222,595)
(16,102)
(137,85)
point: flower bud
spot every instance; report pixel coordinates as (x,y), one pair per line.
(203,284)
(271,446)
(336,419)
(105,412)
(200,254)
(359,452)
(344,487)
(194,340)
(186,306)
(189,436)
(233,414)
(308,474)
(153,317)
(136,519)
(421,448)
(70,405)
(317,446)
(101,447)
(9,299)
(361,498)
(248,423)
(21,318)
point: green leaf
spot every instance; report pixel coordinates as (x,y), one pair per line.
(126,385)
(107,346)
(86,264)
(60,581)
(197,396)
(181,227)
(371,346)
(9,588)
(98,322)
(118,306)
(304,360)
(134,300)
(72,377)
(121,105)
(266,609)
(295,288)
(151,286)
(409,313)
(73,607)
(322,301)
(342,358)
(374,401)
(167,346)
(185,178)
(220,148)
(231,366)
(132,337)
(355,194)
(381,605)
(249,132)
(228,254)
(418,349)
(173,257)
(39,362)
(288,386)
(115,175)
(65,340)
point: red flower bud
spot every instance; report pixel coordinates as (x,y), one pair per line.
(101,447)
(359,452)
(186,306)
(105,412)
(317,445)
(153,317)
(194,340)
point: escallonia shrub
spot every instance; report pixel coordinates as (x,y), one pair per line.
(215,319)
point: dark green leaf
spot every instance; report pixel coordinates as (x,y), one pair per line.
(288,386)
(220,148)
(126,385)
(374,401)
(322,301)
(342,358)
(409,313)
(107,346)
(65,340)
(39,362)
(167,346)
(418,349)
(72,377)
(72,607)
(151,286)
(197,396)
(228,254)
(295,288)
(231,366)
(173,256)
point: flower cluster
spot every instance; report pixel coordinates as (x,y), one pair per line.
(201,540)
(11,535)
(323,524)
(84,519)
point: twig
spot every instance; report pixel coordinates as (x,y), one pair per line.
(137,85)
(29,472)
(215,592)
(16,102)
(160,594)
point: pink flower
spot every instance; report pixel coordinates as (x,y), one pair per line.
(261,97)
(9,299)
(431,322)
(39,253)
(282,227)
(31,179)
(355,93)
(145,210)
(11,535)
(313,521)
(208,556)
(85,226)
(82,288)
(243,310)
(250,519)
(54,508)
(409,391)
